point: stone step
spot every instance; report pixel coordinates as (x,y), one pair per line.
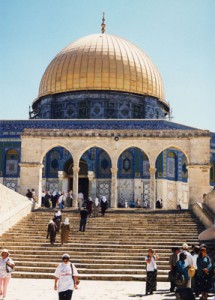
(108,277)
(124,271)
(112,248)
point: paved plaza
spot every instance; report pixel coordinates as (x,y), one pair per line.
(42,289)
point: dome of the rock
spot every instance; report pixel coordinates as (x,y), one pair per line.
(103,63)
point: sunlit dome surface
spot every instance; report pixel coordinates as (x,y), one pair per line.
(102,62)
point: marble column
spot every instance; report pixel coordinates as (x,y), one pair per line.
(75,186)
(152,172)
(60,178)
(92,186)
(199,182)
(31,178)
(114,196)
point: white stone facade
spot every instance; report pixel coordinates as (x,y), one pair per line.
(195,144)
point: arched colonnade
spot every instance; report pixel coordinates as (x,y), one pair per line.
(195,148)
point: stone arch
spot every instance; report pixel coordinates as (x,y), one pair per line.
(94,145)
(54,176)
(46,149)
(132,145)
(133,178)
(172,177)
(170,146)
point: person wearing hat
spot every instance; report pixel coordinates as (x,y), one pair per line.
(6,267)
(188,261)
(204,274)
(66,276)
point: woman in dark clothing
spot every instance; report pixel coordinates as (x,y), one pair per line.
(54,198)
(204,276)
(89,206)
(51,232)
(47,200)
(103,205)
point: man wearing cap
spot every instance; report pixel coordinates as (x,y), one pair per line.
(6,267)
(65,278)
(188,260)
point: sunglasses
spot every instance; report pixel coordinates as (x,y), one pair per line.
(65,258)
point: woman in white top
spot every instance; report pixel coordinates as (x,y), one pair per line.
(65,278)
(6,267)
(151,270)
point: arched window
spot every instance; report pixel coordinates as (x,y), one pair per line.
(171,165)
(12,163)
(104,165)
(126,164)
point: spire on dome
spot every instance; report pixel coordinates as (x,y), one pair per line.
(103,23)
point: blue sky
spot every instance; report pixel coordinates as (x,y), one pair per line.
(178,35)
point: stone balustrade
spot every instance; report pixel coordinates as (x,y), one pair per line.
(13,207)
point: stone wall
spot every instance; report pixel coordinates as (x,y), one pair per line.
(172,193)
(13,207)
(201,215)
(209,200)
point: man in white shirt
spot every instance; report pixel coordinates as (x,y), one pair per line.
(65,278)
(188,260)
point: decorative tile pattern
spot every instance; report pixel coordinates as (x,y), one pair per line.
(11,183)
(14,128)
(103,188)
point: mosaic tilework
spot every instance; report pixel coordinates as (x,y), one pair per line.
(14,128)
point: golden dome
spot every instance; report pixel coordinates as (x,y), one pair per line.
(102,62)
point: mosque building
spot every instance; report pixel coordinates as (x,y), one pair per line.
(101,126)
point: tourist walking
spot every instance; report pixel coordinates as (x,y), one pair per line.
(172,263)
(103,205)
(83,219)
(6,267)
(57,219)
(96,207)
(188,260)
(194,281)
(29,194)
(151,270)
(181,277)
(89,206)
(70,198)
(54,198)
(204,276)
(51,231)
(47,199)
(43,198)
(80,200)
(61,200)
(65,278)
(65,229)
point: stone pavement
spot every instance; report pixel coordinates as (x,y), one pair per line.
(42,289)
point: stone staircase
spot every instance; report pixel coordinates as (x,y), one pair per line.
(112,248)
